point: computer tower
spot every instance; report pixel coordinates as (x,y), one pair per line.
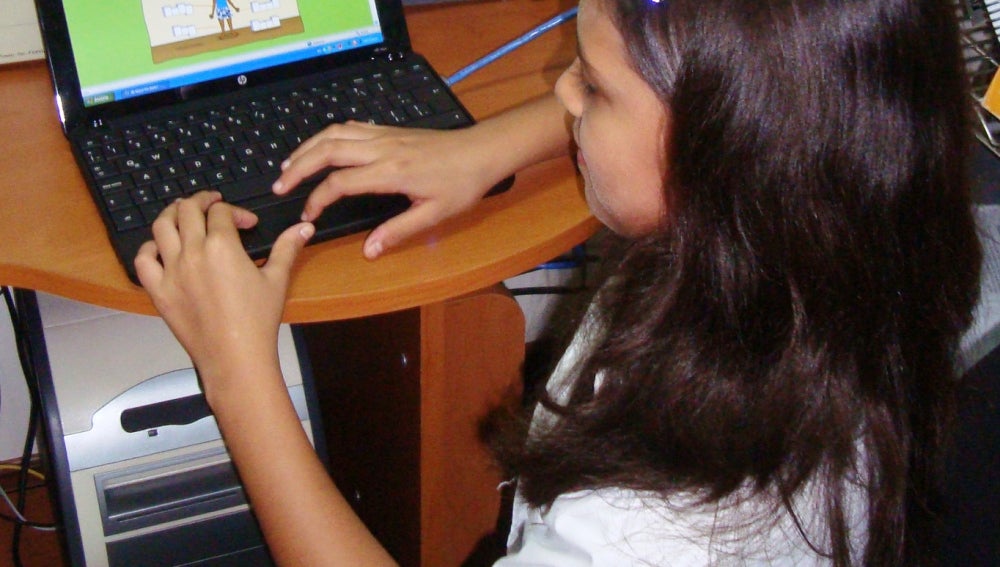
(142,477)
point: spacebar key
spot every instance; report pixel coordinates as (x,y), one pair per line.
(245,189)
(275,218)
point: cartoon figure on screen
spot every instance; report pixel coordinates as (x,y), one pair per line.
(177,28)
(221,9)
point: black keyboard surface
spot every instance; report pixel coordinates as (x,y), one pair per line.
(238,147)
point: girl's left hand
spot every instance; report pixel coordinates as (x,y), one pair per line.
(223,308)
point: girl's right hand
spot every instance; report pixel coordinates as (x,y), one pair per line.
(443,172)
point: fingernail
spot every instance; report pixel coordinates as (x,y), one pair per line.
(285,164)
(307,231)
(373,249)
(277,186)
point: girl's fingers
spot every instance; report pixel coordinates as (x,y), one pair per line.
(340,145)
(148,267)
(373,179)
(183,223)
(243,218)
(166,238)
(392,232)
(286,248)
(191,216)
(324,154)
(350,130)
(221,220)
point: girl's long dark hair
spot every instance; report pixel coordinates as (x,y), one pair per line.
(810,285)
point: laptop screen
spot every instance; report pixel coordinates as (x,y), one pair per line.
(124,50)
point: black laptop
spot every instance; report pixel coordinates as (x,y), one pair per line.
(164,98)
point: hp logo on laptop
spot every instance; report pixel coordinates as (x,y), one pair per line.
(241,80)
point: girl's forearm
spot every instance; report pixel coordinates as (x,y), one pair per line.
(533,132)
(304,517)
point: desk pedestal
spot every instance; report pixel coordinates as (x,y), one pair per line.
(402,395)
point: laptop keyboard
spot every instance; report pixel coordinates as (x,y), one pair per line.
(238,149)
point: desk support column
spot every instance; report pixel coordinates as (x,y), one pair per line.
(402,395)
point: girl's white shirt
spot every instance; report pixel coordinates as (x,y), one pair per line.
(621,527)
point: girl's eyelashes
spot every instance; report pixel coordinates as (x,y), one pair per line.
(586,87)
(583,84)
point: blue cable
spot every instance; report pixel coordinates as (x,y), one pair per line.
(510,46)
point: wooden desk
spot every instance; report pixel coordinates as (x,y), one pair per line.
(416,377)
(54,241)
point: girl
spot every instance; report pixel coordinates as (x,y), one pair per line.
(765,376)
(220,10)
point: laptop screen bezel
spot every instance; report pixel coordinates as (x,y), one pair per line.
(74,114)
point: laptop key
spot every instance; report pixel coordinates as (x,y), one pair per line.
(246,189)
(440,121)
(142,195)
(166,190)
(254,241)
(193,183)
(115,184)
(117,200)
(275,218)
(127,218)
(244,170)
(219,176)
(152,210)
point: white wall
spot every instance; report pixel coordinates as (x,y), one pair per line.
(13,394)
(539,309)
